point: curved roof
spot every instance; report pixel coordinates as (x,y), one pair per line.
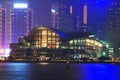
(67,36)
(41,27)
(63,35)
(78,35)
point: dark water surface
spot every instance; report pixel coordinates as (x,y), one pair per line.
(57,71)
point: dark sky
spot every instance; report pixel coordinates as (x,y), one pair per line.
(41,9)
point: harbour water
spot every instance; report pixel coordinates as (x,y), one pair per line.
(57,71)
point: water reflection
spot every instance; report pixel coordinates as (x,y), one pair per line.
(45,71)
(14,71)
(100,72)
(44,63)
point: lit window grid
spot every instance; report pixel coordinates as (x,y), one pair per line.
(89,45)
(46,38)
(86,42)
(25,16)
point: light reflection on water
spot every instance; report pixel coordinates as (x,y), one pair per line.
(100,72)
(43,63)
(54,71)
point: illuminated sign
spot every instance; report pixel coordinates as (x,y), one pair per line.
(17,5)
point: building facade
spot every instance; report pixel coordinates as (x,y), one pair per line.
(113,26)
(43,43)
(61,17)
(2,31)
(21,21)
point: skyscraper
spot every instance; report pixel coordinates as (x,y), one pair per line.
(79,9)
(70,15)
(113,25)
(21,18)
(61,17)
(2,30)
(113,21)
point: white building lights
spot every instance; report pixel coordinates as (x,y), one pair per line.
(19,5)
(53,10)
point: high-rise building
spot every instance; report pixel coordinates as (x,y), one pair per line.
(79,15)
(113,21)
(21,21)
(2,30)
(113,25)
(61,17)
(89,15)
(70,15)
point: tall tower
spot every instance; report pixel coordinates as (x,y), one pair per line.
(113,21)
(2,31)
(61,17)
(113,26)
(21,21)
(55,15)
(85,17)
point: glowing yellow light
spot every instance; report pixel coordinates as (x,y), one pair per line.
(85,14)
(44,63)
(1,50)
(96,43)
(119,48)
(111,51)
(70,9)
(57,46)
(71,41)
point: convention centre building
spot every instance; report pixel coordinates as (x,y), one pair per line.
(45,43)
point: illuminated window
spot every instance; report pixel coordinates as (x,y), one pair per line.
(53,38)
(46,38)
(57,39)
(53,34)
(49,38)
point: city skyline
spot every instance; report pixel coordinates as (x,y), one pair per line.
(73,16)
(42,8)
(59,39)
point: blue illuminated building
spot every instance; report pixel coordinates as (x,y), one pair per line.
(21,19)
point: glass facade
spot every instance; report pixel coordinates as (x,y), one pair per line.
(21,20)
(45,38)
(53,44)
(85,47)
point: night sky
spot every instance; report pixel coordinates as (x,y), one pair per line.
(41,10)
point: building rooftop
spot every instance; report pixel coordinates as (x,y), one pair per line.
(66,36)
